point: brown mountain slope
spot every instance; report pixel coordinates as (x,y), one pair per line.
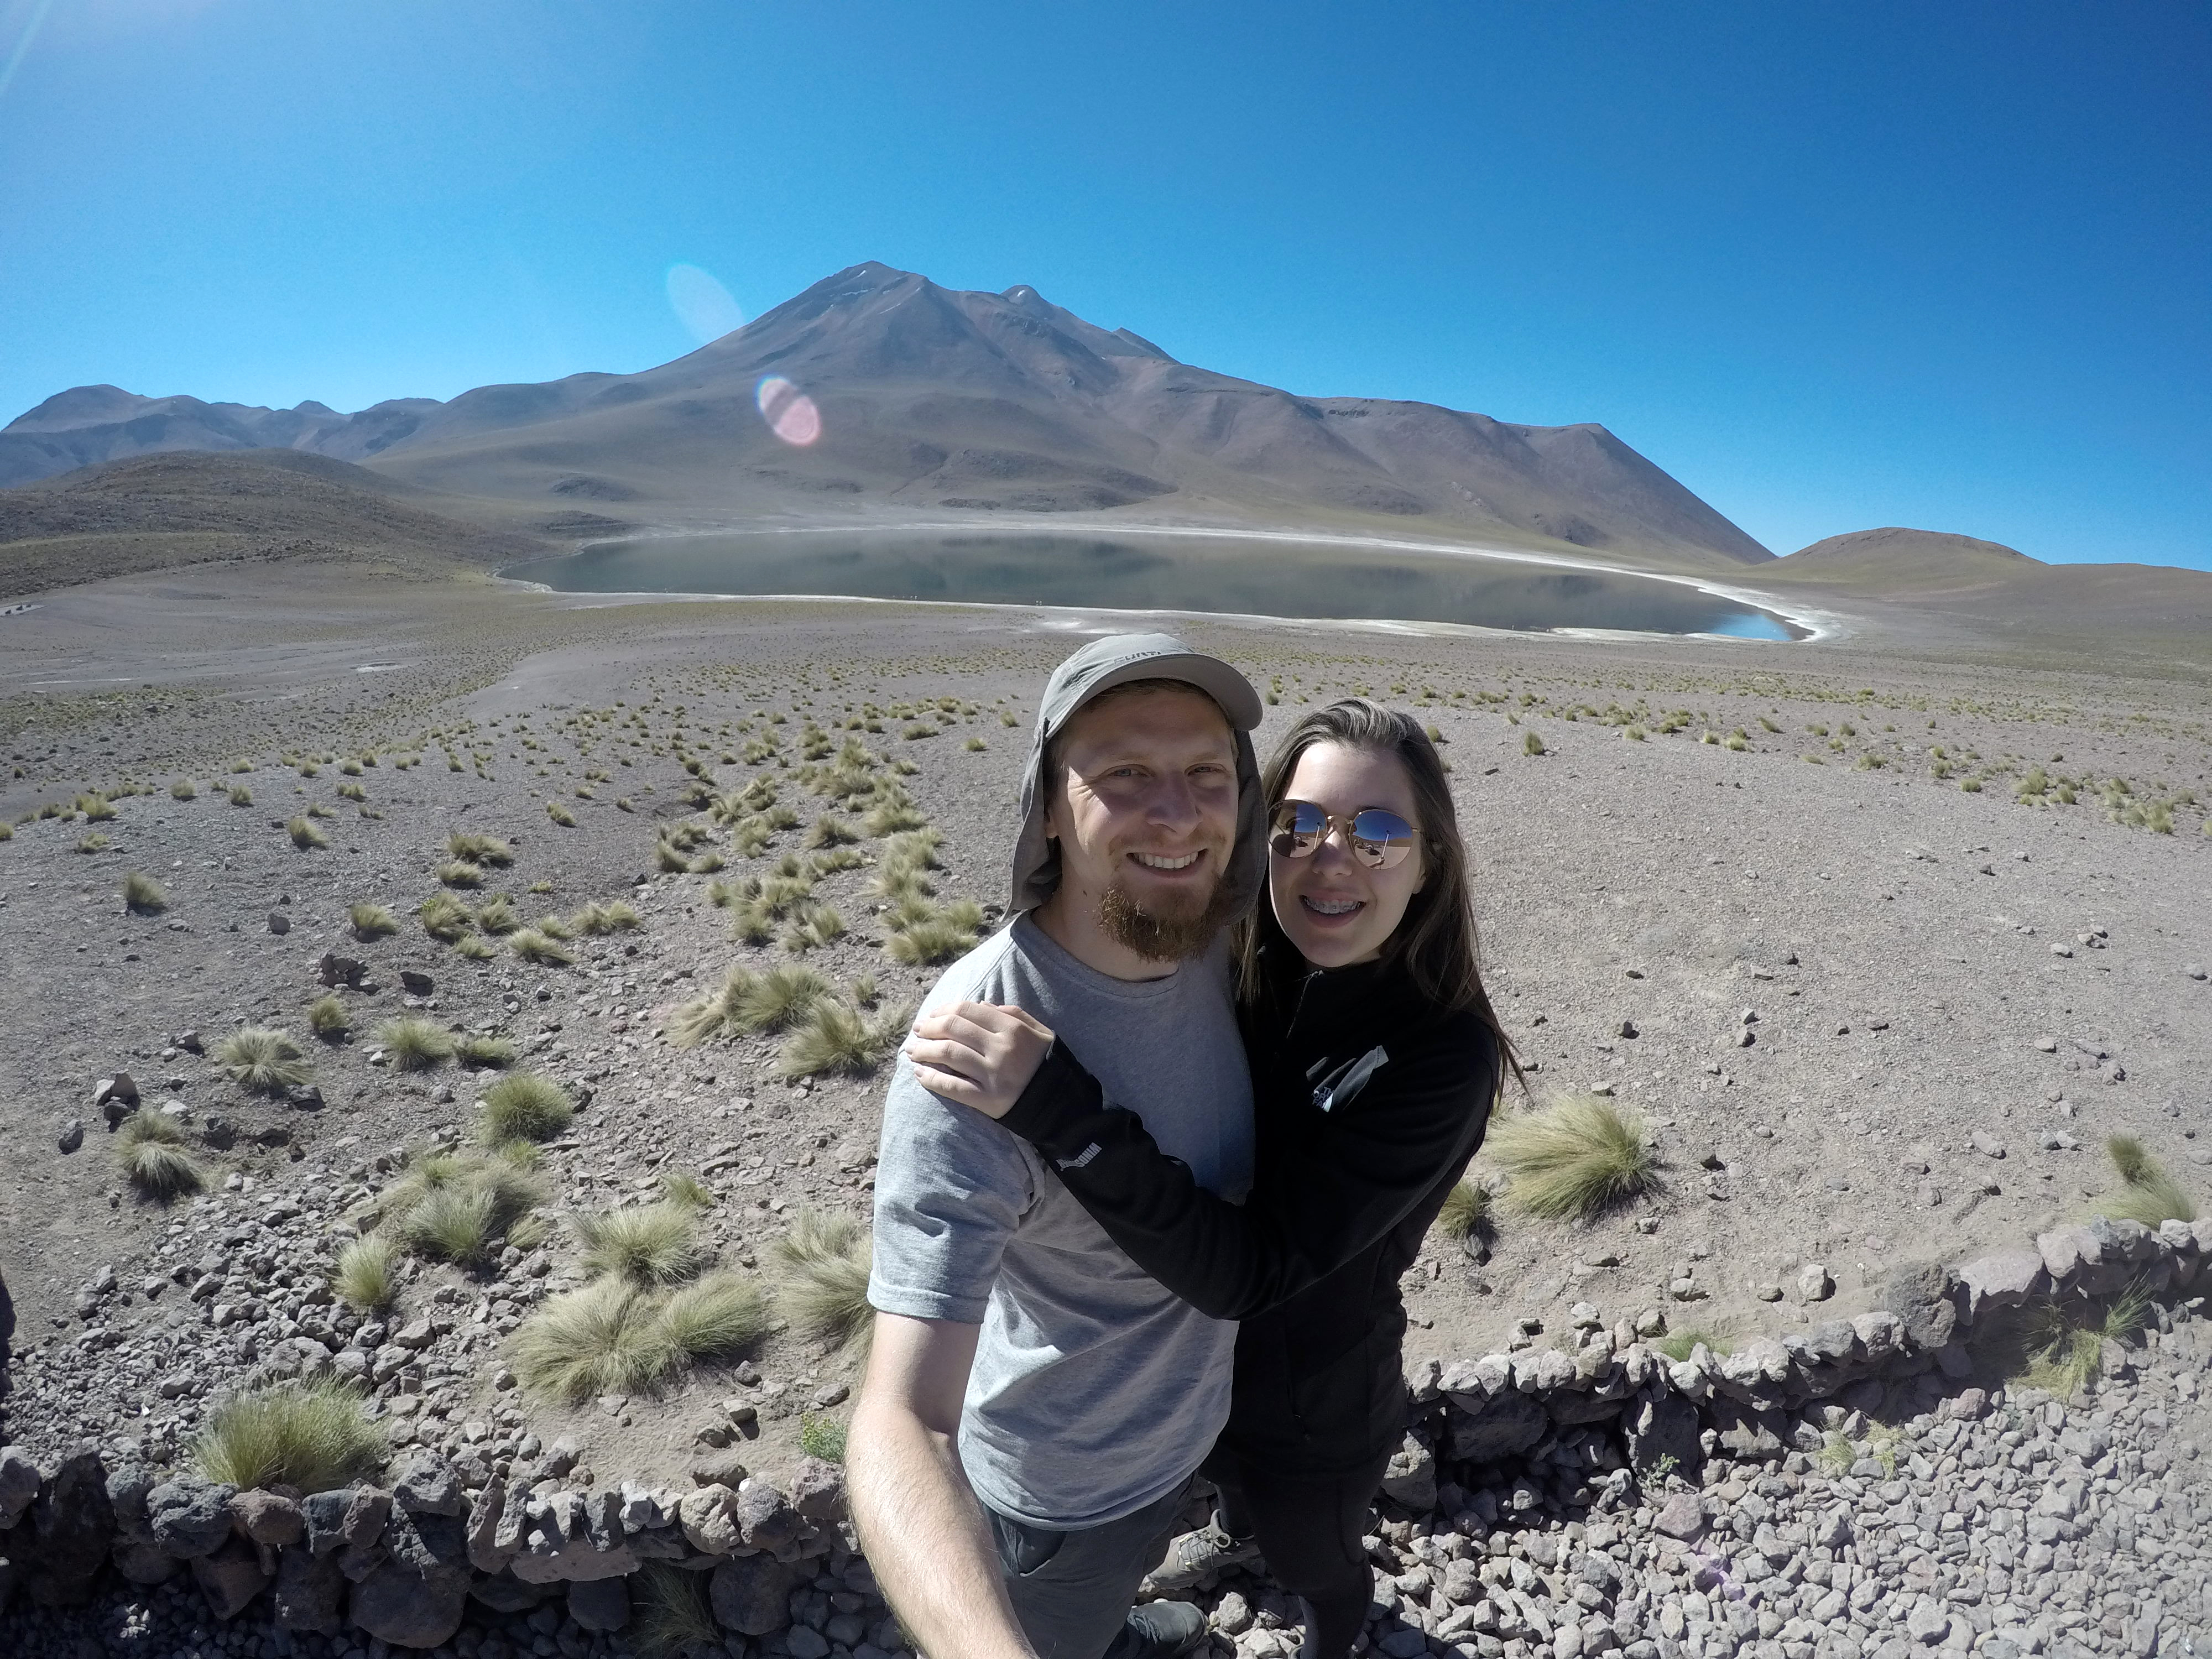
(1893,560)
(157,511)
(948,404)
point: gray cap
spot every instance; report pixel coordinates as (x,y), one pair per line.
(1115,660)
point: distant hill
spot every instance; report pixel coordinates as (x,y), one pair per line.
(1897,561)
(156,511)
(952,404)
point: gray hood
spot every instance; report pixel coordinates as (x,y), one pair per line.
(1114,661)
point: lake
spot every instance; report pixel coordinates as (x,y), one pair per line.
(1219,574)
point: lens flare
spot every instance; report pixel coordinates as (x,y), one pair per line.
(789,412)
(702,305)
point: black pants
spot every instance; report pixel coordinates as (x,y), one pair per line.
(1309,1526)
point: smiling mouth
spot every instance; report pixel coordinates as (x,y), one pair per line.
(1162,862)
(1331,907)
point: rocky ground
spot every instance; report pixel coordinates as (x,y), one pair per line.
(1872,1016)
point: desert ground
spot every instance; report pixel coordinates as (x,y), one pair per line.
(1882,939)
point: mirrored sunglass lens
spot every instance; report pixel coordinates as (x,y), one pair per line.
(1298,829)
(1377,825)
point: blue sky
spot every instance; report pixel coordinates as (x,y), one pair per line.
(1831,266)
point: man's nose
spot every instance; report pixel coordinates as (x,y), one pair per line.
(1173,803)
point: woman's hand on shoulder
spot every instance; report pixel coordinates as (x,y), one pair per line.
(978,1053)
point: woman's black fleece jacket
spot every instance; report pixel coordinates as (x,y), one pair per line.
(1369,1103)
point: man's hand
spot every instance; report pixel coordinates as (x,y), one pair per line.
(978,1053)
(920,1524)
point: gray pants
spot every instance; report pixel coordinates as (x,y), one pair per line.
(1071,1590)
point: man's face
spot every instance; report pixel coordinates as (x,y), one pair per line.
(1147,817)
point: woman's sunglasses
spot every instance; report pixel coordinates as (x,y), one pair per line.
(1377,838)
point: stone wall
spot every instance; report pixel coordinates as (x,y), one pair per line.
(1560,1430)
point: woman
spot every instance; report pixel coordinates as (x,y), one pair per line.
(1375,1057)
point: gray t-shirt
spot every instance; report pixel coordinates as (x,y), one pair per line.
(1095,1389)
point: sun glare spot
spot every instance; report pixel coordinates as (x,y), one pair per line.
(702,305)
(789,412)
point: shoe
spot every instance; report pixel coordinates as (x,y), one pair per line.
(1161,1630)
(1195,1556)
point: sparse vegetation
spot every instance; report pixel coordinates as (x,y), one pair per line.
(304,834)
(238,795)
(183,789)
(533,945)
(152,1154)
(613,917)
(364,1276)
(263,1060)
(1531,743)
(475,949)
(559,815)
(415,1044)
(645,1243)
(451,1208)
(820,1271)
(472,848)
(143,894)
(308,1436)
(1466,1209)
(2146,1192)
(721,1315)
(372,921)
(496,915)
(1678,1345)
(822,1435)
(526,1107)
(327,1017)
(459,872)
(923,933)
(671,1617)
(604,1339)
(1573,1159)
(481,1051)
(444,918)
(837,1038)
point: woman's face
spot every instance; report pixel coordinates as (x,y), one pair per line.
(1336,910)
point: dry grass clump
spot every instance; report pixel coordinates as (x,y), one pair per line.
(452,1208)
(327,1017)
(2146,1192)
(817,925)
(183,789)
(723,1314)
(1531,743)
(830,830)
(303,833)
(715,1014)
(475,949)
(310,1436)
(364,1276)
(820,1270)
(922,933)
(613,917)
(372,921)
(671,1617)
(91,842)
(238,795)
(151,1154)
(526,1107)
(779,999)
(459,872)
(2058,1347)
(415,1044)
(496,915)
(492,1052)
(1573,1159)
(604,1339)
(1466,1210)
(143,894)
(472,848)
(838,1039)
(559,815)
(683,1188)
(444,918)
(558,927)
(96,808)
(645,1243)
(533,945)
(263,1060)
(1678,1345)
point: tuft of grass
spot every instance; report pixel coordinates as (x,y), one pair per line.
(475,949)
(820,1269)
(151,1154)
(715,1014)
(837,1038)
(496,915)
(671,1617)
(2146,1192)
(604,1339)
(645,1243)
(303,833)
(822,1435)
(474,848)
(830,830)
(1531,743)
(779,999)
(327,1017)
(558,927)
(526,1107)
(559,815)
(238,795)
(372,921)
(818,924)
(485,1051)
(96,808)
(613,917)
(532,946)
(311,1436)
(444,918)
(720,1315)
(415,1044)
(461,1207)
(183,789)
(91,842)
(931,938)
(459,872)
(143,894)
(263,1060)
(1677,1346)
(363,1278)
(1573,1159)
(1466,1209)
(684,1189)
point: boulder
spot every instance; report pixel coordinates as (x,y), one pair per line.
(19,1485)
(552,1559)
(129,1484)
(1409,1480)
(70,1526)
(752,1593)
(1681,1516)
(505,1592)
(231,1577)
(1748,1433)
(419,984)
(817,1490)
(426,1485)
(766,1520)
(139,1560)
(599,1604)
(309,1588)
(270,1519)
(2066,1250)
(1508,1424)
(1921,1299)
(189,1517)
(488,1550)
(415,1598)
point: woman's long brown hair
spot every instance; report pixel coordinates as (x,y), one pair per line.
(1435,939)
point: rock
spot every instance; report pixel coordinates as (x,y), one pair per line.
(231,1577)
(1409,1480)
(750,1595)
(335,970)
(1920,1298)
(122,1088)
(19,1485)
(425,1485)
(1987,1145)
(1813,1284)
(417,1597)
(1668,1427)
(309,1588)
(708,1519)
(140,1561)
(492,1543)
(2004,1279)
(766,1520)
(188,1517)
(280,924)
(69,1525)
(1927,1622)
(507,1594)
(1510,1424)
(325,1513)
(71,1137)
(269,1519)
(419,984)
(1746,1433)
(817,1490)
(1681,1516)
(722,1468)
(599,1604)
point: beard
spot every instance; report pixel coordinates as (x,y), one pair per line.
(1171,933)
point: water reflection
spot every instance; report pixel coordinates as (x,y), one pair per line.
(1216,574)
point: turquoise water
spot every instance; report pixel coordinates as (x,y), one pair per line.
(1161,573)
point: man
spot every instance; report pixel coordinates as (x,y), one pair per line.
(1036,1404)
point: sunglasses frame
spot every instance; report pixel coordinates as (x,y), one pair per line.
(1388,853)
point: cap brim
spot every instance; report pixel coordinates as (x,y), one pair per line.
(1209,674)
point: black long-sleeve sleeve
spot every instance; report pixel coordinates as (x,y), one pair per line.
(1331,1195)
